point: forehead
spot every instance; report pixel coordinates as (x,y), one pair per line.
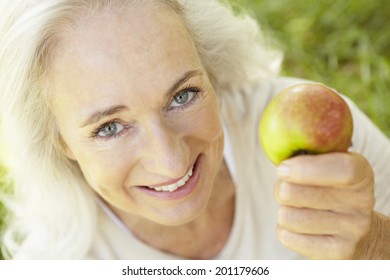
(138,29)
(116,48)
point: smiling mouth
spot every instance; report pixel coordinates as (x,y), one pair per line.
(174,186)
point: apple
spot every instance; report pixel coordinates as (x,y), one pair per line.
(305,119)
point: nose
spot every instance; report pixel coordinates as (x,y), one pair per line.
(165,152)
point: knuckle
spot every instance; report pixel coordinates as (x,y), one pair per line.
(285,193)
(283,235)
(283,216)
(277,191)
(289,217)
(356,169)
(366,203)
(288,194)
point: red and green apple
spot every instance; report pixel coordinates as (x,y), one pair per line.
(305,119)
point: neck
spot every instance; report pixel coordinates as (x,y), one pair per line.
(203,237)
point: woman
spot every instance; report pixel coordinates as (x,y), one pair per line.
(132,130)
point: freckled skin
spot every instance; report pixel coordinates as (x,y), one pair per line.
(307,118)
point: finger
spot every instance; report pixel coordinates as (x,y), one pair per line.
(331,169)
(315,246)
(316,197)
(311,221)
(323,198)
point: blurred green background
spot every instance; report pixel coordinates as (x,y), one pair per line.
(342,43)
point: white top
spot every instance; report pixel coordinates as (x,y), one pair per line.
(253,232)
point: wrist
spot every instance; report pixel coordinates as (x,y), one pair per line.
(376,244)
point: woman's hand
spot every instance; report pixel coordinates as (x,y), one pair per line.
(326,205)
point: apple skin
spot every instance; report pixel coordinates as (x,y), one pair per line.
(305,119)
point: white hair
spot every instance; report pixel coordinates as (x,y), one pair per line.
(53,212)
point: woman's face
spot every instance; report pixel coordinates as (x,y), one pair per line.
(137,112)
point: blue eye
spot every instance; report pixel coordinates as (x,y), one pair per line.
(184,97)
(110,129)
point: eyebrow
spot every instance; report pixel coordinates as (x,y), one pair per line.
(99,115)
(184,78)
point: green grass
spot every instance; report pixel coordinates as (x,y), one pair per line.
(342,43)
(2,213)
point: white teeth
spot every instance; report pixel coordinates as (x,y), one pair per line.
(175,186)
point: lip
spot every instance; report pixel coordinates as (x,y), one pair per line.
(180,192)
(170,182)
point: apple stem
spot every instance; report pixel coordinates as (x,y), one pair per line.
(301,152)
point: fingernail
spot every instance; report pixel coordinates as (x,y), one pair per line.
(283,170)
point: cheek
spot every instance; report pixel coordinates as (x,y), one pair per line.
(206,123)
(106,169)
